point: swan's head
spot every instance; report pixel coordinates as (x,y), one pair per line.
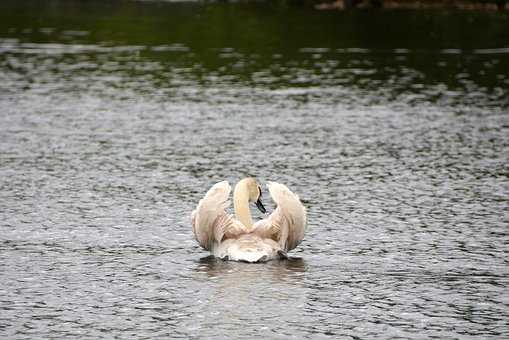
(255,192)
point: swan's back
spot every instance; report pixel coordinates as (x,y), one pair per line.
(248,248)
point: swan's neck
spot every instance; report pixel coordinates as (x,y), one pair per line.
(241,204)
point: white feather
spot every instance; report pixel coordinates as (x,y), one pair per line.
(210,220)
(287,224)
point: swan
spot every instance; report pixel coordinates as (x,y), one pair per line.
(238,238)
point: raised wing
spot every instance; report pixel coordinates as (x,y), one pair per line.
(210,221)
(287,224)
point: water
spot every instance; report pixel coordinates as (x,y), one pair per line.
(116,117)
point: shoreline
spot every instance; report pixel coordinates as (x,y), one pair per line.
(481,5)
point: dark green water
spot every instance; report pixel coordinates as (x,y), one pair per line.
(117,116)
(361,48)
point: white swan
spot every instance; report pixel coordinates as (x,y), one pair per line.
(238,239)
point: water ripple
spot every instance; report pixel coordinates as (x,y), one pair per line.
(398,153)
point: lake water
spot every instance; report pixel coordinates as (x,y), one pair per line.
(116,117)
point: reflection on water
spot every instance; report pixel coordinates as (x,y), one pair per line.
(278,269)
(242,290)
(116,117)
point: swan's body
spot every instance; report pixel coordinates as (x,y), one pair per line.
(237,238)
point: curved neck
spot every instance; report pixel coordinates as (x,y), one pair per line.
(241,204)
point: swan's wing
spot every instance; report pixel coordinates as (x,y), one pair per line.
(287,224)
(210,220)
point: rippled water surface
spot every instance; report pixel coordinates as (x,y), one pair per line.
(116,117)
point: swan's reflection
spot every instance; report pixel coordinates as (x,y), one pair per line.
(239,290)
(279,269)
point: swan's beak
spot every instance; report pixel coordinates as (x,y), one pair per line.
(260,206)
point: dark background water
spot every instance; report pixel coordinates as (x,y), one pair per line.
(116,117)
